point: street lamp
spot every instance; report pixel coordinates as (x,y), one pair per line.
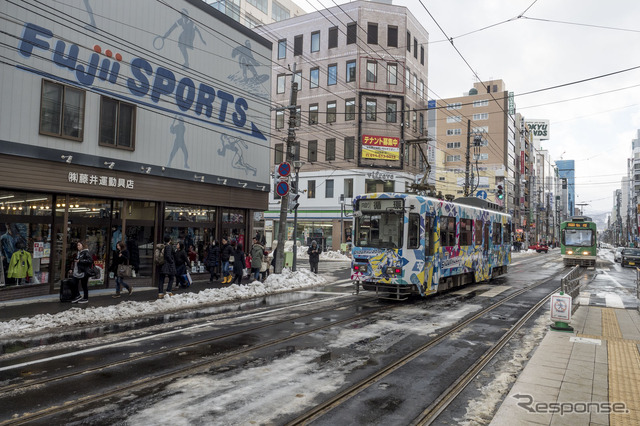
(297,165)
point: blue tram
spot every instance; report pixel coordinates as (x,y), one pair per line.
(406,244)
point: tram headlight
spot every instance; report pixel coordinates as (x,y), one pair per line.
(585,253)
(569,251)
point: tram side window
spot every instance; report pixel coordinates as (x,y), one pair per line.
(506,236)
(428,235)
(414,231)
(487,235)
(447,231)
(466,232)
(497,231)
(477,231)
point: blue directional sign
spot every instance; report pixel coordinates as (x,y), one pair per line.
(482,194)
(282,188)
(284,169)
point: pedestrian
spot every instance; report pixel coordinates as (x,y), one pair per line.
(238,264)
(122,258)
(182,260)
(82,263)
(168,267)
(314,256)
(213,260)
(257,257)
(226,252)
(193,256)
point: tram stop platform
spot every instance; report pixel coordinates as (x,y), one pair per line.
(590,376)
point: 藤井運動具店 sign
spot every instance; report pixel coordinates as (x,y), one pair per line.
(380,147)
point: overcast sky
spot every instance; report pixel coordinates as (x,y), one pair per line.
(587,38)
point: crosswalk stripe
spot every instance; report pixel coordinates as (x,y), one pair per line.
(496,290)
(471,289)
(613,301)
(584,298)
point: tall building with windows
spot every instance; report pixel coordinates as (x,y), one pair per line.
(361,73)
(566,173)
(253,13)
(103,139)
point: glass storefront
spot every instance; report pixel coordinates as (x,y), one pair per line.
(195,226)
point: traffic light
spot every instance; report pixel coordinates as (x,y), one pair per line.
(500,192)
(293,201)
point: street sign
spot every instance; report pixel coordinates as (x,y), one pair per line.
(282,188)
(482,194)
(561,308)
(284,169)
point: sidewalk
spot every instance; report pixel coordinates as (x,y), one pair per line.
(581,378)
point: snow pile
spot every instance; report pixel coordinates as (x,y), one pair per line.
(325,255)
(275,283)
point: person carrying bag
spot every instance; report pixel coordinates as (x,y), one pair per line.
(123,268)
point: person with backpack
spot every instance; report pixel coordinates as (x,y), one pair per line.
(226,252)
(212,260)
(164,256)
(257,257)
(182,260)
(80,271)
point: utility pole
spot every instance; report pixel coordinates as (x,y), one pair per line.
(468,160)
(289,157)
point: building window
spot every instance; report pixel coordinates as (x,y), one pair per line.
(421,89)
(117,123)
(328,188)
(372,33)
(279,12)
(480,129)
(415,48)
(315,41)
(314,78)
(311,189)
(251,22)
(392,111)
(373,185)
(453,145)
(372,71)
(349,109)
(297,78)
(313,114)
(330,150)
(351,71)
(407,80)
(392,36)
(451,132)
(406,115)
(484,156)
(482,103)
(312,154)
(348,188)
(62,111)
(331,112)
(279,119)
(453,158)
(349,147)
(421,55)
(456,105)
(421,124)
(297,45)
(332,75)
(278,154)
(454,119)
(392,73)
(408,41)
(415,83)
(261,5)
(282,49)
(414,120)
(371,109)
(482,116)
(280,86)
(352,32)
(333,37)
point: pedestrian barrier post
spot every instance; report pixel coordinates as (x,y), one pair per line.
(564,304)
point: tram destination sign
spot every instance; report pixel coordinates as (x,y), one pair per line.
(379,205)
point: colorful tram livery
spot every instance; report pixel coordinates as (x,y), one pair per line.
(408,244)
(578,241)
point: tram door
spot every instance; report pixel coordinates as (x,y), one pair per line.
(429,253)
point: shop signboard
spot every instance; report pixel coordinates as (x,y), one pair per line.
(380,147)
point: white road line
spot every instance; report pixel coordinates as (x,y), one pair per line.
(496,290)
(321,292)
(153,336)
(584,298)
(613,301)
(471,289)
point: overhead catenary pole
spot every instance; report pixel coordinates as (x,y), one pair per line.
(289,157)
(468,160)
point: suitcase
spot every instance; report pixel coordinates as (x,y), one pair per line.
(66,290)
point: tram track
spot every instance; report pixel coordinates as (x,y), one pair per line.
(448,396)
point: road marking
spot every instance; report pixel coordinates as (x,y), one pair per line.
(584,298)
(321,292)
(471,289)
(613,301)
(496,290)
(349,284)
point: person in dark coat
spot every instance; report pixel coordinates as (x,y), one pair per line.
(226,252)
(182,260)
(121,258)
(168,269)
(238,264)
(213,260)
(314,256)
(82,263)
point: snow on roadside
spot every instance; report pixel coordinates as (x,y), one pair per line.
(275,283)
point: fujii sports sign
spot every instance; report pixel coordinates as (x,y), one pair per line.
(380,147)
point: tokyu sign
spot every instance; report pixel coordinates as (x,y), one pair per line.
(539,129)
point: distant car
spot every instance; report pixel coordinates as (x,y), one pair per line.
(617,255)
(630,257)
(539,247)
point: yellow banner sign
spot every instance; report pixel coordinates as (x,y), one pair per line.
(380,147)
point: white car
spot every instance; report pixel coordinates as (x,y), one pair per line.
(617,255)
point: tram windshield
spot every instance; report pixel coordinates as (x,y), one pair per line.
(578,237)
(379,223)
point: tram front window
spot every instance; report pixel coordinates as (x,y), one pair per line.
(578,237)
(382,230)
